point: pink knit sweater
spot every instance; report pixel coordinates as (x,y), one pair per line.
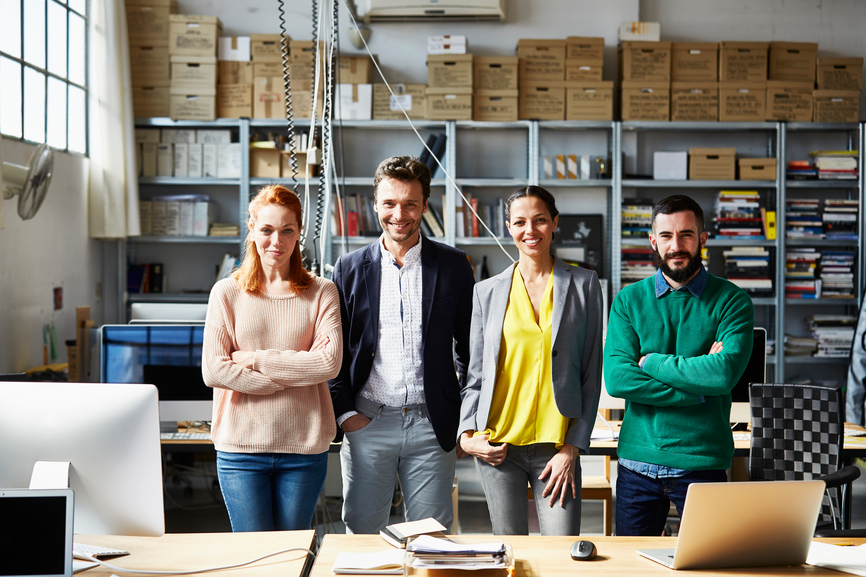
(282,405)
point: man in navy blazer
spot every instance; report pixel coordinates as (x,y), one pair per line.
(406,307)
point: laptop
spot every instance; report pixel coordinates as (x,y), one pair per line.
(748,524)
(36,532)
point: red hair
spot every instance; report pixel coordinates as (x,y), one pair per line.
(250,276)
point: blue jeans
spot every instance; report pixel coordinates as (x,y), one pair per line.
(642,503)
(271,491)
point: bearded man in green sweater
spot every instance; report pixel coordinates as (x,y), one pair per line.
(677,343)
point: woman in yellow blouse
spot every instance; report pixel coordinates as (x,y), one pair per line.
(534,376)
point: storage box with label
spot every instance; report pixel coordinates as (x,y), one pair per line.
(150,101)
(839,73)
(449,70)
(712,163)
(234,48)
(757,168)
(145,135)
(495,105)
(229,160)
(196,74)
(297,70)
(542,100)
(149,65)
(589,100)
(191,35)
(670,165)
(412,97)
(449,103)
(177,135)
(355,102)
(645,100)
(789,101)
(236,72)
(541,60)
(695,61)
(213,136)
(264,160)
(147,21)
(793,61)
(577,71)
(304,50)
(645,61)
(694,101)
(584,48)
(640,31)
(742,101)
(268,47)
(836,105)
(495,73)
(148,158)
(184,106)
(235,101)
(446,44)
(304,169)
(743,61)
(269,98)
(356,70)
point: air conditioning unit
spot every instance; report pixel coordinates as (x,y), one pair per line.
(427,10)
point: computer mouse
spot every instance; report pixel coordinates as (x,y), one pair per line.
(583,550)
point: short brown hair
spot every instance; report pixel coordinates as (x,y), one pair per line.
(404,169)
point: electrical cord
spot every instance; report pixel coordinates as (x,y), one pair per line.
(287,85)
(188,572)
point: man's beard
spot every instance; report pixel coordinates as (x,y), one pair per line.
(680,274)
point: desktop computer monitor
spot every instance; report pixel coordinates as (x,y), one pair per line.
(110,436)
(167,313)
(167,356)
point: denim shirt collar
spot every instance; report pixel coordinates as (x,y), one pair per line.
(696,286)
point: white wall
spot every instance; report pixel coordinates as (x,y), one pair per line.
(50,250)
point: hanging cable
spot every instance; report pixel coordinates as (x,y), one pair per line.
(323,197)
(287,85)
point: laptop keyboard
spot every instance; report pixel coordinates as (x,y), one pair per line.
(95,551)
(184,436)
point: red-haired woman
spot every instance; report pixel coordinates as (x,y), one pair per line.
(272,340)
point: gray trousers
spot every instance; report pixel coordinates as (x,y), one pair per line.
(505,487)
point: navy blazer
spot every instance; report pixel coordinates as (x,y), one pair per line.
(447,283)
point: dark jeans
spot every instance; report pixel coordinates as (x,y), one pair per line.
(642,503)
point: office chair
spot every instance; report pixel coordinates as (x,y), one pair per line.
(797,434)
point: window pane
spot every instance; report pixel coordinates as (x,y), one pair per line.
(77,121)
(10,98)
(56,39)
(34,105)
(34,33)
(76,49)
(10,27)
(79,6)
(56,113)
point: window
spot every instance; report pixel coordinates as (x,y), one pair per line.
(43,87)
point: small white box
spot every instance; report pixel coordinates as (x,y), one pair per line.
(641,31)
(571,164)
(561,173)
(181,159)
(356,101)
(194,168)
(209,160)
(229,160)
(585,167)
(173,135)
(148,159)
(165,160)
(234,48)
(671,165)
(187,216)
(205,214)
(548,164)
(447,39)
(213,136)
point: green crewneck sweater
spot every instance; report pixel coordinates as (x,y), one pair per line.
(677,407)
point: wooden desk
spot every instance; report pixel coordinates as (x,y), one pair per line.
(190,551)
(549,557)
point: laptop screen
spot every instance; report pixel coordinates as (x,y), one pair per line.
(36,532)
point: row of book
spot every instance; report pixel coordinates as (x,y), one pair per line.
(749,268)
(813,274)
(741,214)
(142,278)
(831,336)
(826,165)
(637,217)
(177,215)
(836,220)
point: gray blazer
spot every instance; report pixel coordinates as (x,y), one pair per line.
(576,349)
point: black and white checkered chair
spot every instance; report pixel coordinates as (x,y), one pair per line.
(797,434)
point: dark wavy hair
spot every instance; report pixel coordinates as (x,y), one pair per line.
(404,169)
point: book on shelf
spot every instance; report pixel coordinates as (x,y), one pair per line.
(224,229)
(144,278)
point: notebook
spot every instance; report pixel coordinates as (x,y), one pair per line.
(748,524)
(36,532)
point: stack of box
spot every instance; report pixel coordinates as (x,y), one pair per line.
(411,97)
(188,153)
(449,86)
(495,81)
(743,81)
(354,92)
(192,48)
(269,95)
(541,73)
(712,163)
(694,89)
(147,24)
(645,75)
(588,97)
(235,74)
(837,98)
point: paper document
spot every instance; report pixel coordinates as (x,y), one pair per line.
(603,435)
(388,562)
(427,544)
(838,558)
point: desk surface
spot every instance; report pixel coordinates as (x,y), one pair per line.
(191,551)
(549,557)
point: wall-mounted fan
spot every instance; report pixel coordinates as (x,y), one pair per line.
(29,182)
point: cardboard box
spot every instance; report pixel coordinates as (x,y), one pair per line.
(712,163)
(148,158)
(541,60)
(149,65)
(793,61)
(165,159)
(582,71)
(195,161)
(589,100)
(449,71)
(235,101)
(183,106)
(181,159)
(268,47)
(236,72)
(355,102)
(446,44)
(190,35)
(264,161)
(836,105)
(789,101)
(495,73)
(177,135)
(304,169)
(839,73)
(229,160)
(234,48)
(695,61)
(645,61)
(584,48)
(645,100)
(150,101)
(209,160)
(757,168)
(495,105)
(194,74)
(356,70)
(147,21)
(694,101)
(412,97)
(743,61)
(670,165)
(303,50)
(449,103)
(147,135)
(542,100)
(302,69)
(269,99)
(640,31)
(213,136)
(742,101)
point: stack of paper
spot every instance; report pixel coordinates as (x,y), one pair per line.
(432,553)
